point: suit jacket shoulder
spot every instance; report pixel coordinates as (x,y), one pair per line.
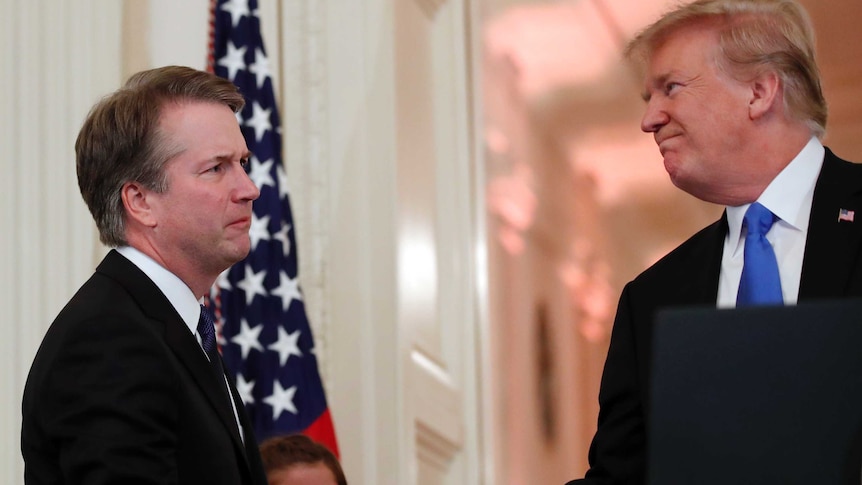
(120,392)
(832,266)
(688,275)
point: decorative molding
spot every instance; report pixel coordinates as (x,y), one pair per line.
(10,466)
(57,60)
(434,449)
(305,122)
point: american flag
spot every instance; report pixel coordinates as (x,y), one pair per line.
(264,334)
(845,215)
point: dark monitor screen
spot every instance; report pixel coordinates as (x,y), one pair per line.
(768,395)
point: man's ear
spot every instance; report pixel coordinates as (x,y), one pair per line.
(765,92)
(137,205)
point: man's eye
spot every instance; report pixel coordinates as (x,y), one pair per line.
(670,87)
(245,164)
(216,168)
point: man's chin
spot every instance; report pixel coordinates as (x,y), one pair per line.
(242,254)
(239,252)
(701,191)
(683,183)
(671,165)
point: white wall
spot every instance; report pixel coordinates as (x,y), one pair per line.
(177,32)
(57,59)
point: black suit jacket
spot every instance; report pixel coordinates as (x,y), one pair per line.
(689,275)
(121,392)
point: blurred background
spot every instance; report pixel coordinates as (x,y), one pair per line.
(470,190)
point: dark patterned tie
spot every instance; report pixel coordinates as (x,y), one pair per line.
(760,283)
(206,329)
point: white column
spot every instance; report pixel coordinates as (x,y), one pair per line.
(338,116)
(57,59)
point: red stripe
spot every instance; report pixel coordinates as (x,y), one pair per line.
(211,43)
(322,431)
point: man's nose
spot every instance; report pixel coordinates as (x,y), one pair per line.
(654,118)
(247,190)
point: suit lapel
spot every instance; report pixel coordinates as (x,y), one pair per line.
(252,453)
(188,351)
(155,305)
(832,247)
(704,287)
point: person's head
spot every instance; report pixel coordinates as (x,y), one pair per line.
(298,460)
(725,82)
(160,166)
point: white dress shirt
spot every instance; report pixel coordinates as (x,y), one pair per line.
(788,196)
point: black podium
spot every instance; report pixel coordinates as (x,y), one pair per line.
(769,395)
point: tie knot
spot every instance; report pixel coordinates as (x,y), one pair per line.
(758,219)
(206,329)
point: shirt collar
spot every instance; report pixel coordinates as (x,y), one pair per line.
(782,194)
(178,293)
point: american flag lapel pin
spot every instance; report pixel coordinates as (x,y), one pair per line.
(845,215)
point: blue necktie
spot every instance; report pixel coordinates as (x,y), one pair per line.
(760,284)
(206,329)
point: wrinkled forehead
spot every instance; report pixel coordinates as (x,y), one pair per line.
(687,54)
(645,49)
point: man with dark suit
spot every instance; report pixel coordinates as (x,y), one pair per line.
(735,106)
(127,386)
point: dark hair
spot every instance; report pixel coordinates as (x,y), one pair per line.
(285,451)
(121,141)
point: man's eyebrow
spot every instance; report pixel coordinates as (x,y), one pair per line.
(224,157)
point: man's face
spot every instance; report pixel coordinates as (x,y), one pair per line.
(204,217)
(302,474)
(698,115)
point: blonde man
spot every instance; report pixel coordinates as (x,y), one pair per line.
(734,103)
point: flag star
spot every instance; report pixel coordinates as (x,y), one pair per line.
(237,9)
(258,230)
(282,181)
(260,68)
(281,235)
(286,345)
(260,172)
(245,388)
(287,290)
(281,400)
(259,120)
(233,60)
(248,338)
(252,284)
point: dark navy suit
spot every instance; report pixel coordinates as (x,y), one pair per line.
(689,275)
